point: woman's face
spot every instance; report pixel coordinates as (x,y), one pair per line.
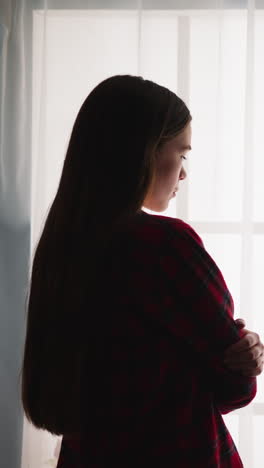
(169,170)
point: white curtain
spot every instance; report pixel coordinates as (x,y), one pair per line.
(210,53)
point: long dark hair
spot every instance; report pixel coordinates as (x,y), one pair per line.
(108,169)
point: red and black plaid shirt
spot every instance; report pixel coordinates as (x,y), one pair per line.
(164,385)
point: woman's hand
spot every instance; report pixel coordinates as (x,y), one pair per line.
(247,355)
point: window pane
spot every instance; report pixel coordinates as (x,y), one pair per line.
(231,422)
(225,249)
(257,151)
(258,424)
(217,105)
(159,32)
(258,301)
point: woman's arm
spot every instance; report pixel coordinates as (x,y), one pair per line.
(202,312)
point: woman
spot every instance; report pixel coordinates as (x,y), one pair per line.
(129,318)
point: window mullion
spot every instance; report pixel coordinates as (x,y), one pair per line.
(183,91)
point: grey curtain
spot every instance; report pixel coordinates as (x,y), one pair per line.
(15,177)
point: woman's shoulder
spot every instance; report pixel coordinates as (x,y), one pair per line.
(168,226)
(154,229)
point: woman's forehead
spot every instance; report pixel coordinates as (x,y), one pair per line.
(182,141)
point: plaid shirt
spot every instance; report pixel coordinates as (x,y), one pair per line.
(164,387)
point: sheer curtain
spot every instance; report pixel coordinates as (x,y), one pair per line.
(208,52)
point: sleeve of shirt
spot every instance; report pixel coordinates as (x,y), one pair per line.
(204,319)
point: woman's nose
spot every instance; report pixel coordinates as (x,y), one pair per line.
(183,174)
